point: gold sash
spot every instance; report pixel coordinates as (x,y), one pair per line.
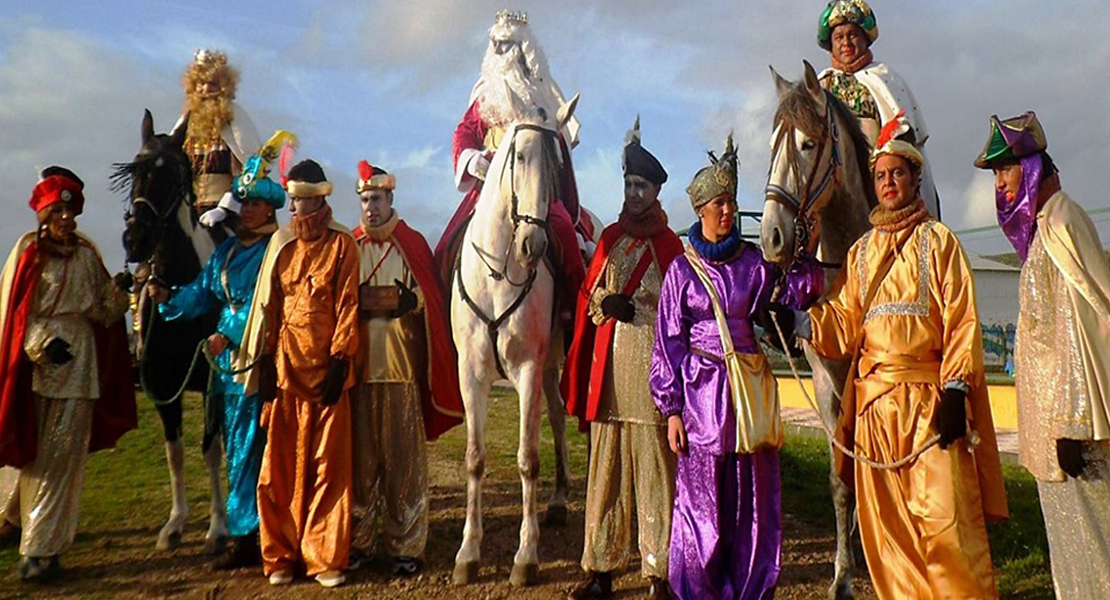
(755,395)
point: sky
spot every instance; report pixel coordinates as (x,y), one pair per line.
(388,82)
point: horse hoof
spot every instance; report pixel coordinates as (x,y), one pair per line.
(465,573)
(168,540)
(556,516)
(524,575)
(841,591)
(215,545)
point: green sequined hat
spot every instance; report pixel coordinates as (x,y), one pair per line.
(1012,139)
(839,12)
(717,179)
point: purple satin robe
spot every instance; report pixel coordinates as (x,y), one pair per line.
(726,538)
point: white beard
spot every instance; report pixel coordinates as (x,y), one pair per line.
(495,105)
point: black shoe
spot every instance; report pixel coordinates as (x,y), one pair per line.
(9,534)
(39,569)
(53,568)
(358,559)
(404,566)
(244,552)
(597,584)
(659,589)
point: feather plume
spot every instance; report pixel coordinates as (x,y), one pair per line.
(892,129)
(365,171)
(633,135)
(272,148)
(285,160)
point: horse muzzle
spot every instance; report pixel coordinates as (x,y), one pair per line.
(531,245)
(776,233)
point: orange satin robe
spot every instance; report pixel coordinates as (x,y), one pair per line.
(304,488)
(923,525)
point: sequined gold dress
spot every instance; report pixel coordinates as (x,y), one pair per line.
(923,525)
(631,467)
(73,291)
(390,456)
(1056,401)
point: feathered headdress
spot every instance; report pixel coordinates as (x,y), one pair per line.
(253,181)
(888,142)
(373,178)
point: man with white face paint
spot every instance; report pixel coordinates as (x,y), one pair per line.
(515,76)
(407,390)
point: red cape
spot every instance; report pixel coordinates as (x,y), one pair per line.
(439,390)
(114,412)
(590,349)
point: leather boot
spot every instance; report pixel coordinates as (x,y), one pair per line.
(244,552)
(597,584)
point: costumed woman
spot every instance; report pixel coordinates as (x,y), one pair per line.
(66,387)
(408,388)
(722,419)
(227,284)
(904,305)
(873,91)
(1061,360)
(606,386)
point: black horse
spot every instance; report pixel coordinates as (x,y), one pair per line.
(162,235)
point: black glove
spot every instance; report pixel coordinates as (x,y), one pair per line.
(770,337)
(58,351)
(1070,455)
(124,280)
(950,420)
(406,302)
(267,378)
(334,380)
(619,307)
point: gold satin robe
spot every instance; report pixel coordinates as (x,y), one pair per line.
(304,488)
(629,451)
(923,525)
(390,457)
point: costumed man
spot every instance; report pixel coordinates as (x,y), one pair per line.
(606,385)
(874,92)
(227,284)
(219,137)
(1062,371)
(304,323)
(408,389)
(904,308)
(65,372)
(713,385)
(515,71)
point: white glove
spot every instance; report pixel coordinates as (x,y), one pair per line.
(478,166)
(213,216)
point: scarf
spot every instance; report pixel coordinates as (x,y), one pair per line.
(860,62)
(645,225)
(310,227)
(718,251)
(247,237)
(382,232)
(899,218)
(1018,219)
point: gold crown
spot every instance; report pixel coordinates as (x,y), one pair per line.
(207,58)
(506,17)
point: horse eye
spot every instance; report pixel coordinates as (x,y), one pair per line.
(809,145)
(520,156)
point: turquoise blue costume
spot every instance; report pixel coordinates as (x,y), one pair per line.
(227,284)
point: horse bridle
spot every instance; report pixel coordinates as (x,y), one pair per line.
(515,215)
(804,221)
(161,219)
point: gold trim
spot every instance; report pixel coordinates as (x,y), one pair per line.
(304,189)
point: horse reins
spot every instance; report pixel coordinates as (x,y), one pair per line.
(493,325)
(804,222)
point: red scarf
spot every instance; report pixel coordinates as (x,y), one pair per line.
(645,225)
(860,62)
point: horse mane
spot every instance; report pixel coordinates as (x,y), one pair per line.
(797,110)
(146,161)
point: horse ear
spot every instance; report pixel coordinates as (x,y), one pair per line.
(813,85)
(177,137)
(566,111)
(782,86)
(148,126)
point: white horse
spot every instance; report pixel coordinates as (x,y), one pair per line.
(819,174)
(501,318)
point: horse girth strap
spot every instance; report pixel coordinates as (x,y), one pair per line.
(493,326)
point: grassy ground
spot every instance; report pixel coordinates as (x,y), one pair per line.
(126,500)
